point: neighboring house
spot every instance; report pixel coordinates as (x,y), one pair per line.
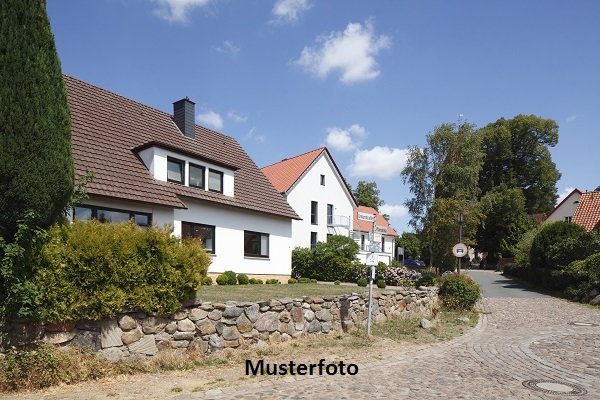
(382,233)
(565,209)
(587,213)
(157,168)
(315,188)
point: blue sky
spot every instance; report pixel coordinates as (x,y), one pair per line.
(366,78)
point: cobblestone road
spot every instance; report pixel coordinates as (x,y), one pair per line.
(522,338)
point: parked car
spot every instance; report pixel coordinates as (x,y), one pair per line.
(413,263)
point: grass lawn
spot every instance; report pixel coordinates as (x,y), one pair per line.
(220,294)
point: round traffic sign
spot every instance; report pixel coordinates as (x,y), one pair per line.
(459,250)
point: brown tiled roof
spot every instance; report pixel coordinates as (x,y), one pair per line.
(106,128)
(366,226)
(285,173)
(587,213)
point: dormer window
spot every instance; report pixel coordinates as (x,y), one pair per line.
(215,181)
(175,170)
(197,176)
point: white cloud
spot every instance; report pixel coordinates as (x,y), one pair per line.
(345,139)
(571,118)
(251,135)
(289,11)
(393,211)
(379,162)
(564,194)
(236,117)
(177,10)
(227,47)
(351,52)
(211,119)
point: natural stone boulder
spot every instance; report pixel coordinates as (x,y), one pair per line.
(215,342)
(267,322)
(206,327)
(297,314)
(185,325)
(595,301)
(179,315)
(171,327)
(426,324)
(132,336)
(112,354)
(198,345)
(284,316)
(179,344)
(326,327)
(232,312)
(314,326)
(153,325)
(59,337)
(230,333)
(146,345)
(197,314)
(183,335)
(275,337)
(309,315)
(215,315)
(243,324)
(110,334)
(323,315)
(127,323)
(87,340)
(253,312)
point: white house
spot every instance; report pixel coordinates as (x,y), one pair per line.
(371,228)
(315,188)
(163,169)
(565,209)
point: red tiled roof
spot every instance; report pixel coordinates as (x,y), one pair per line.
(285,173)
(587,213)
(106,128)
(366,226)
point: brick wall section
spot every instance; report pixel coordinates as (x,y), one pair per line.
(210,327)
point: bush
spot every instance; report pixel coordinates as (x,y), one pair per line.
(242,279)
(427,279)
(255,281)
(381,284)
(583,277)
(207,281)
(304,280)
(407,283)
(459,292)
(362,282)
(328,261)
(337,283)
(549,235)
(92,270)
(292,281)
(396,276)
(313,281)
(272,281)
(222,280)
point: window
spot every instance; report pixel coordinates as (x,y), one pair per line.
(383,244)
(85,212)
(215,181)
(362,242)
(568,219)
(313,240)
(322,180)
(329,214)
(196,176)
(206,234)
(314,216)
(175,170)
(256,244)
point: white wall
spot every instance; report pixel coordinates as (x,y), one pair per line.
(566,209)
(387,253)
(229,237)
(308,189)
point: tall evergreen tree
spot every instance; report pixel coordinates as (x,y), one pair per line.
(36,166)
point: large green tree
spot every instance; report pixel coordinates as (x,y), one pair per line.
(410,243)
(517,155)
(36,167)
(367,194)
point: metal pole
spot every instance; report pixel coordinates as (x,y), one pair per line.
(371,276)
(460,224)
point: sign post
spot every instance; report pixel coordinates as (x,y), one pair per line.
(371,262)
(459,250)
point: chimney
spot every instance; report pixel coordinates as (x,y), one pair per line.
(184,116)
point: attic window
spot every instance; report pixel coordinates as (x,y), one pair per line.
(215,181)
(175,170)
(196,176)
(322,180)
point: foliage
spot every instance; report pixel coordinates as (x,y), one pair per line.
(303,262)
(367,194)
(292,281)
(362,282)
(459,292)
(272,281)
(427,279)
(36,166)
(227,278)
(242,279)
(394,276)
(337,283)
(504,223)
(584,276)
(522,249)
(304,280)
(517,155)
(255,281)
(410,243)
(207,281)
(93,270)
(330,261)
(381,283)
(549,235)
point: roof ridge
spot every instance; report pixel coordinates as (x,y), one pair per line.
(296,156)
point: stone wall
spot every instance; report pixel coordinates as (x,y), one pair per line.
(211,327)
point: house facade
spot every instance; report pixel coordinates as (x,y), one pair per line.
(157,168)
(565,209)
(314,187)
(369,227)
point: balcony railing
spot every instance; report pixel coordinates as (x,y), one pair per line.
(338,220)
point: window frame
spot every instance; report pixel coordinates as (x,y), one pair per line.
(214,234)
(203,168)
(314,212)
(260,236)
(181,164)
(208,181)
(322,180)
(313,244)
(94,210)
(330,215)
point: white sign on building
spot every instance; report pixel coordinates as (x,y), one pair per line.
(366,217)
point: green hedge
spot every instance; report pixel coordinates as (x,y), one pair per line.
(331,261)
(459,292)
(93,270)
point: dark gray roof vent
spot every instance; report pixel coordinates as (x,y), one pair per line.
(184,116)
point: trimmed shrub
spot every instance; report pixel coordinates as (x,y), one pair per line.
(313,281)
(272,281)
(362,282)
(303,280)
(427,279)
(255,281)
(395,276)
(92,270)
(292,281)
(207,281)
(242,279)
(337,283)
(550,235)
(222,280)
(381,284)
(459,292)
(329,261)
